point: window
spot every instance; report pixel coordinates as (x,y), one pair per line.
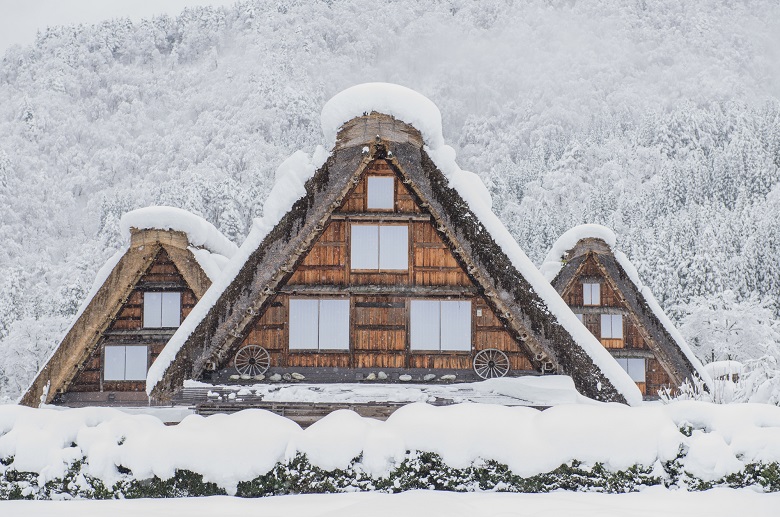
(125,363)
(381,192)
(162,310)
(591,294)
(377,247)
(440,325)
(319,324)
(635,367)
(579,317)
(611,326)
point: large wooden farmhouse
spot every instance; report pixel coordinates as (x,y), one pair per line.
(140,298)
(603,289)
(383,270)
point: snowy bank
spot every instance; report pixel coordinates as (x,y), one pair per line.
(715,440)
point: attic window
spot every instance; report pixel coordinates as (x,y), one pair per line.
(379,247)
(441,325)
(381,193)
(317,324)
(162,310)
(634,367)
(591,294)
(125,363)
(611,326)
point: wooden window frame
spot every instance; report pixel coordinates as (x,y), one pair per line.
(379,248)
(125,346)
(384,209)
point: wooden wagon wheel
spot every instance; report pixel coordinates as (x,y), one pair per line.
(252,360)
(491,363)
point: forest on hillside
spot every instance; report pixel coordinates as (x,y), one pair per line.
(658,119)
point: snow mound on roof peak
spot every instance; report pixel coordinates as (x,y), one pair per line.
(552,263)
(200,233)
(391,99)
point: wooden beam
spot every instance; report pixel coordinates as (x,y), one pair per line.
(392,290)
(380,217)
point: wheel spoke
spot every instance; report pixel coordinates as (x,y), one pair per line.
(491,363)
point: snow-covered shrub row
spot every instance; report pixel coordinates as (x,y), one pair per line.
(657,119)
(105,453)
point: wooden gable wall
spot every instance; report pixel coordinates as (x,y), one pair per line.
(379,300)
(127,327)
(634,342)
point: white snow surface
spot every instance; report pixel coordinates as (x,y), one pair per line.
(415,109)
(553,264)
(544,390)
(391,99)
(200,233)
(529,441)
(719,502)
(724,368)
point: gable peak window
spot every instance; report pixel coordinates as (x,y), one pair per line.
(591,293)
(379,247)
(381,193)
(162,309)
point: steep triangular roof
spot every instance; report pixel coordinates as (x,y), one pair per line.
(195,247)
(568,257)
(306,193)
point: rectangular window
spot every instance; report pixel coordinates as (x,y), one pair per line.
(382,248)
(125,363)
(579,317)
(591,294)
(162,310)
(381,193)
(319,324)
(634,367)
(440,325)
(612,326)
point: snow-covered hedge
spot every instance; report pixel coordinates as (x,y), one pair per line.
(103,453)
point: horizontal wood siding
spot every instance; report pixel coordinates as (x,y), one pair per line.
(655,377)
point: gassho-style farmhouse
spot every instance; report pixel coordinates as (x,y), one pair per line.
(378,273)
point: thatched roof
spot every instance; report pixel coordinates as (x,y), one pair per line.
(106,302)
(522,298)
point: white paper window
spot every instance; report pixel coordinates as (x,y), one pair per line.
(425,321)
(440,325)
(319,324)
(635,367)
(393,247)
(162,310)
(377,247)
(612,326)
(591,294)
(125,363)
(381,192)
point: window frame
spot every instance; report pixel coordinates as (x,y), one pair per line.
(587,294)
(442,324)
(612,318)
(145,316)
(318,325)
(375,177)
(124,347)
(379,267)
(624,363)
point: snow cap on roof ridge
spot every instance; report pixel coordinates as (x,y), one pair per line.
(398,101)
(200,233)
(553,262)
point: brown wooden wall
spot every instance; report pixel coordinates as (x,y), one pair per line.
(162,272)
(379,323)
(590,272)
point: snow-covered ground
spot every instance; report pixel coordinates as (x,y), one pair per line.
(650,502)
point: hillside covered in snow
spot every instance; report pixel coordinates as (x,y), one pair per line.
(660,120)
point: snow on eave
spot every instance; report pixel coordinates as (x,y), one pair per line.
(200,233)
(553,263)
(418,111)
